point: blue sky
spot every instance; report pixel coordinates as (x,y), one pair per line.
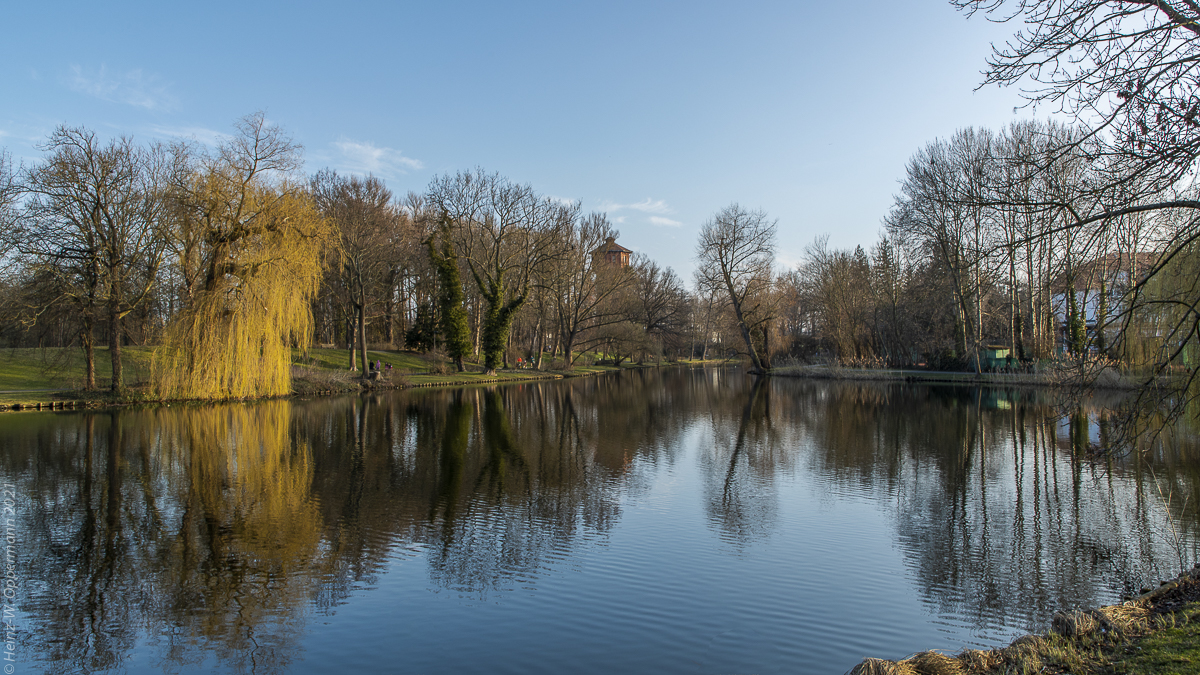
(660,113)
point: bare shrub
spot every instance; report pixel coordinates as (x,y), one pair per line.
(436,362)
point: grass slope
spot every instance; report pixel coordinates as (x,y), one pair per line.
(31,368)
(30,376)
(1157,633)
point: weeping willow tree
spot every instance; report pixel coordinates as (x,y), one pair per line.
(249,248)
(1173,302)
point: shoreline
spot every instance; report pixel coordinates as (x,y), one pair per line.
(325,382)
(1157,629)
(1107,379)
(330,383)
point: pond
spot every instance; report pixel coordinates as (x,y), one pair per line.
(655,521)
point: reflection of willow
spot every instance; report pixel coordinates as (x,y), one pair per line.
(186,524)
(248,528)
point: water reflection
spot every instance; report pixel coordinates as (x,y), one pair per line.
(209,536)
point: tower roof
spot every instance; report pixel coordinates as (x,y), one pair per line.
(611,246)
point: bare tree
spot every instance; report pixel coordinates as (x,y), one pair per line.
(94,220)
(504,233)
(1130,72)
(659,303)
(735,253)
(837,286)
(366,220)
(584,286)
(9,190)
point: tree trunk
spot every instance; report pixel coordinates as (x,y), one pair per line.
(362,335)
(389,335)
(478,325)
(114,340)
(756,365)
(766,357)
(541,348)
(88,339)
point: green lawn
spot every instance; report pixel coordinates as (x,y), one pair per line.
(1172,649)
(339,359)
(32,368)
(32,375)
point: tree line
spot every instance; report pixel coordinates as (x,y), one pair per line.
(1049,239)
(226,259)
(1074,238)
(983,246)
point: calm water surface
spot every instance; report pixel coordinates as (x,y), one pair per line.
(675,521)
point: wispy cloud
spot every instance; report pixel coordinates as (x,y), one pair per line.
(206,136)
(134,87)
(647,205)
(665,222)
(787,261)
(366,157)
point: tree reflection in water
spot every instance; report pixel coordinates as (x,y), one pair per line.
(189,525)
(210,534)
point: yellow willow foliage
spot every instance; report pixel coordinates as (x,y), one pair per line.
(251,301)
(249,477)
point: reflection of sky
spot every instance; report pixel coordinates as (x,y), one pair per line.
(1063,430)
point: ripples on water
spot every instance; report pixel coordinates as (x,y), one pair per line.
(654,521)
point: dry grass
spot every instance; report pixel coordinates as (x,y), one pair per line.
(308,380)
(880,667)
(935,663)
(1078,642)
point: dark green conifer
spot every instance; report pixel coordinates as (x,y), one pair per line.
(455,330)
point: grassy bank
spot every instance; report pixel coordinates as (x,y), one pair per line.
(1049,377)
(32,378)
(1159,632)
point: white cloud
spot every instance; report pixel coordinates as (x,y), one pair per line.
(131,88)
(206,136)
(647,205)
(666,222)
(787,261)
(360,157)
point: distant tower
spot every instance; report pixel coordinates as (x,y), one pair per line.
(613,253)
